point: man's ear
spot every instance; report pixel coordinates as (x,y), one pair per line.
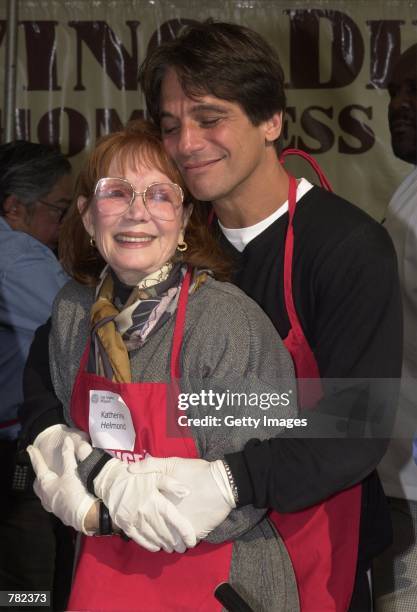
(86,217)
(15,213)
(14,210)
(273,127)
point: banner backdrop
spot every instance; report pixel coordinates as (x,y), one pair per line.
(78,60)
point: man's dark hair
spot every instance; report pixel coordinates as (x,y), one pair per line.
(225,60)
(29,170)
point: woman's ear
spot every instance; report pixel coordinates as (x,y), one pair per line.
(186,215)
(86,215)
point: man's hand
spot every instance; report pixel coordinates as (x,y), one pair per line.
(138,507)
(63,494)
(211,497)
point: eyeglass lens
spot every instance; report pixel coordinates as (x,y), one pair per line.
(114,196)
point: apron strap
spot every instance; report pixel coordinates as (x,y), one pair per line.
(289,239)
(85,355)
(175,369)
(288,258)
(313,163)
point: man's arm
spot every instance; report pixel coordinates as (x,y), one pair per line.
(356,333)
(41,408)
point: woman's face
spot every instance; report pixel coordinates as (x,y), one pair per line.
(133,243)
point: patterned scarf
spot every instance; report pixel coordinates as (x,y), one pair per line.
(118,329)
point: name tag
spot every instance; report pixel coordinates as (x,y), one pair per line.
(110,422)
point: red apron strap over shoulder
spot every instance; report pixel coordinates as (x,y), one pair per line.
(288,258)
(306,369)
(175,368)
(182,433)
(322,541)
(324,182)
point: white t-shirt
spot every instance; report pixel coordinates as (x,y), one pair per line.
(241,236)
(397,470)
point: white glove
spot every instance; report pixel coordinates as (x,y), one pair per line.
(64,495)
(137,506)
(50,443)
(211,497)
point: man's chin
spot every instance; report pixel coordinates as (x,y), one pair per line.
(202,193)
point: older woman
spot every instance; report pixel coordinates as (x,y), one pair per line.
(146,351)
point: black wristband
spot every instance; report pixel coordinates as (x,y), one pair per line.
(95,472)
(104,522)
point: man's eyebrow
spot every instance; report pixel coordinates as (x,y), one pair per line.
(198,108)
(209,107)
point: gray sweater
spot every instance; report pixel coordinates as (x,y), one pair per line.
(229,346)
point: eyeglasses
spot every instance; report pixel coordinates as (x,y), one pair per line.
(58,212)
(115,195)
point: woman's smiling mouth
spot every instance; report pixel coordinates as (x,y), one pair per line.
(131,239)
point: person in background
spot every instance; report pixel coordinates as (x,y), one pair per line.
(395,572)
(35,192)
(323,271)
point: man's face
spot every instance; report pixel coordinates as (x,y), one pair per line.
(219,152)
(402,110)
(44,221)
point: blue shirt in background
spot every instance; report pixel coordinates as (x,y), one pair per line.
(30,277)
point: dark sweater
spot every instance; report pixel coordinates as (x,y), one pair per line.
(346,294)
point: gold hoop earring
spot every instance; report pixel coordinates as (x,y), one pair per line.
(182,246)
(92,242)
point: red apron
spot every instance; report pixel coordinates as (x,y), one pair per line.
(322,541)
(119,576)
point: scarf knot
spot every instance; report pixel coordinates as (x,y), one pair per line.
(119,328)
